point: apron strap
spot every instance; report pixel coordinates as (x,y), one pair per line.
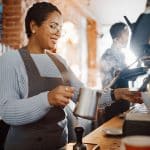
(62,68)
(29,63)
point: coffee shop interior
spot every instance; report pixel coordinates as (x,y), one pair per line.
(85,31)
(85,37)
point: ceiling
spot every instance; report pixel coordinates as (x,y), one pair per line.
(109,11)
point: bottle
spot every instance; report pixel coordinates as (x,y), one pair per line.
(79,145)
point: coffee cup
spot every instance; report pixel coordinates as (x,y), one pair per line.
(137,142)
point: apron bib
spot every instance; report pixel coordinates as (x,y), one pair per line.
(45,134)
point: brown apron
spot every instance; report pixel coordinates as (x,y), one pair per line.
(45,134)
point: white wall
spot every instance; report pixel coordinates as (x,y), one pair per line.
(110,11)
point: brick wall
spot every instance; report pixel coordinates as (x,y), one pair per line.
(12,25)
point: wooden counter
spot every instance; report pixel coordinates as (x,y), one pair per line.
(106,142)
(99,137)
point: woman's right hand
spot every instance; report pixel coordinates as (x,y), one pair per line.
(60,96)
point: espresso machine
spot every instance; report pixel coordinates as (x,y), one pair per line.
(137,120)
(123,77)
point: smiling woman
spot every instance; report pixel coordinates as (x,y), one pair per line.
(44,32)
(33,107)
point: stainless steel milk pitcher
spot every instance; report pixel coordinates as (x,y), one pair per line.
(87,103)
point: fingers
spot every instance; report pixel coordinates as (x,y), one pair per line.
(132,96)
(138,100)
(61,95)
(66,91)
(64,101)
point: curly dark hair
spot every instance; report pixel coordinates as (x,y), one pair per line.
(38,13)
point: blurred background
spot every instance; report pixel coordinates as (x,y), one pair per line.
(85,32)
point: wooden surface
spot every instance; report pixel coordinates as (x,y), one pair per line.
(106,142)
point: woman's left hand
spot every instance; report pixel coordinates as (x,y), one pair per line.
(124,93)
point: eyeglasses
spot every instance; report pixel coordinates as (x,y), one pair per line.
(55,28)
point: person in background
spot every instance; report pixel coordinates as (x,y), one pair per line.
(112,62)
(35,91)
(141,32)
(113,59)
